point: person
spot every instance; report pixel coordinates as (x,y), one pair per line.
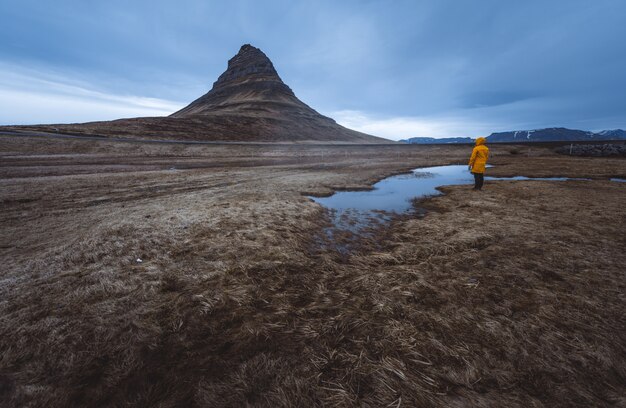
(478,162)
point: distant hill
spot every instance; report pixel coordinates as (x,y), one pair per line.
(525,136)
(249,102)
(432,140)
(544,135)
(613,134)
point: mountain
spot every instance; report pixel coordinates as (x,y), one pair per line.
(525,136)
(432,140)
(555,135)
(613,134)
(542,135)
(250,86)
(248,103)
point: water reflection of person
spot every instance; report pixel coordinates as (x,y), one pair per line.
(478,162)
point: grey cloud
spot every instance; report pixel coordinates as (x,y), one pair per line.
(504,64)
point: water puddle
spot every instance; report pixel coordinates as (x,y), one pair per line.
(394,194)
(618,180)
(358,211)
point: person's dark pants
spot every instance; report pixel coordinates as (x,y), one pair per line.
(479,179)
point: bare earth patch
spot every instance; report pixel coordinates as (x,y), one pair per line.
(513,296)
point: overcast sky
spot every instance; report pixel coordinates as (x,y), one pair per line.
(395,69)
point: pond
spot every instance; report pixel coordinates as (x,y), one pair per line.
(353,210)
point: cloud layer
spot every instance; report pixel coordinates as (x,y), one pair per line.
(33,97)
(435,68)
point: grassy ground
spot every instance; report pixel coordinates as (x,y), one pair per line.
(509,297)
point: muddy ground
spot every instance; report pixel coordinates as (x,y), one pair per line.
(514,296)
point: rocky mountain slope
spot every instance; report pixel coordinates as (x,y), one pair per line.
(248,103)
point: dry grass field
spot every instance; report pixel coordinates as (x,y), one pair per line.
(151,275)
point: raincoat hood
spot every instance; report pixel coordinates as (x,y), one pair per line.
(480,141)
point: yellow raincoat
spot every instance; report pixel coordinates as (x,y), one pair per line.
(479,156)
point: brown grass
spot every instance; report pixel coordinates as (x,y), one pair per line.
(508,297)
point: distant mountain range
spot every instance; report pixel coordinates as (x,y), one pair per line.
(613,134)
(524,136)
(432,140)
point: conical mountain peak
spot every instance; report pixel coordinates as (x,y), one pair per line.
(249,101)
(249,83)
(250,63)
